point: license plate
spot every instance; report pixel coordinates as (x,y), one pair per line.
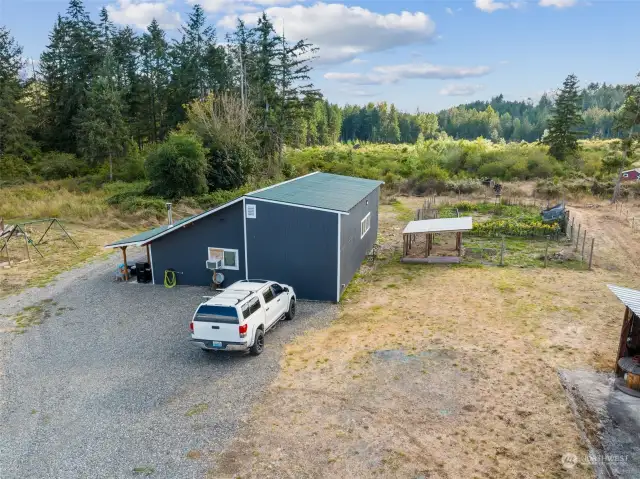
(216,344)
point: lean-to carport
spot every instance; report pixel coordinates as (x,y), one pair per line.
(429,228)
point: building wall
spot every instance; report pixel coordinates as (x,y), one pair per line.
(186,250)
(295,246)
(353,249)
(631,176)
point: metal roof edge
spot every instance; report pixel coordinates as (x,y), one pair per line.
(282,183)
(297,205)
(171,230)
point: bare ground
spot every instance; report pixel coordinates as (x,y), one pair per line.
(442,371)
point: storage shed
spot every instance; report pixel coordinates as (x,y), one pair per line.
(312,233)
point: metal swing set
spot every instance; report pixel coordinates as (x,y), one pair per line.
(16,230)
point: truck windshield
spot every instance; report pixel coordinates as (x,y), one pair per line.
(217,314)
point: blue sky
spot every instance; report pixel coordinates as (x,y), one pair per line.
(418,54)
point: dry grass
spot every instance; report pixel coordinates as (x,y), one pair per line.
(59,255)
(436,372)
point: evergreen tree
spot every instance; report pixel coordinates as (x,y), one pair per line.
(14,116)
(155,70)
(627,121)
(102,130)
(567,118)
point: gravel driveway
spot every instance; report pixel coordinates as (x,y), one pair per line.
(109,386)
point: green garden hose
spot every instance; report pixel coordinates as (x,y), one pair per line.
(170,278)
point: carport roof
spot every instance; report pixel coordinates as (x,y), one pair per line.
(143,237)
(629,297)
(320,190)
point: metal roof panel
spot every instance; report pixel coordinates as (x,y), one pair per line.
(320,190)
(629,297)
(440,225)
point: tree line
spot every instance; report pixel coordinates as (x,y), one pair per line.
(103,95)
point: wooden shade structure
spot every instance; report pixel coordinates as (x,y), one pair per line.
(429,228)
(627,368)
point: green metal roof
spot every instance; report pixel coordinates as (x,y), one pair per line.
(147,235)
(317,190)
(320,190)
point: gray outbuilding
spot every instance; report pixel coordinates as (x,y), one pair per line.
(312,233)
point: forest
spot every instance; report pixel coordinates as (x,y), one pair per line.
(199,114)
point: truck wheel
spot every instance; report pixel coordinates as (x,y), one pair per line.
(258,343)
(289,315)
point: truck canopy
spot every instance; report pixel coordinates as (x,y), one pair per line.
(217,314)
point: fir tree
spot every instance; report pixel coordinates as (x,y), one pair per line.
(567,118)
(14,117)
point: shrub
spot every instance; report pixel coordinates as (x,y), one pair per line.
(178,167)
(229,166)
(56,166)
(13,169)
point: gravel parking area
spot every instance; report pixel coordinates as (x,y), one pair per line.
(109,385)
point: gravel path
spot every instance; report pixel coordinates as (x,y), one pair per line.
(109,386)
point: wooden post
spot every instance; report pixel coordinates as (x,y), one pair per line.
(622,345)
(502,252)
(46,231)
(459,243)
(148,254)
(26,243)
(546,251)
(126,267)
(584,241)
(593,240)
(573,221)
(426,244)
(578,237)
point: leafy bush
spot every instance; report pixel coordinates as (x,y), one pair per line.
(178,167)
(514,227)
(229,167)
(13,169)
(57,166)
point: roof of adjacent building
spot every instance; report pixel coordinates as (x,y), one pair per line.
(145,236)
(320,190)
(629,297)
(316,190)
(440,225)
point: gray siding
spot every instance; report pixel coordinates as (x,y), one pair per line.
(353,249)
(185,250)
(295,246)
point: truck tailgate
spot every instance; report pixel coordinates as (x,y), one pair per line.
(216,323)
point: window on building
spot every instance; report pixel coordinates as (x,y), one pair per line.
(229,257)
(365,225)
(626,175)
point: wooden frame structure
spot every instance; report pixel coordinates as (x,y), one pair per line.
(430,228)
(628,370)
(18,228)
(124,260)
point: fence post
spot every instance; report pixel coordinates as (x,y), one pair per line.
(593,240)
(578,237)
(573,222)
(546,252)
(584,240)
(502,252)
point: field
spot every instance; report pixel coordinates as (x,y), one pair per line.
(435,371)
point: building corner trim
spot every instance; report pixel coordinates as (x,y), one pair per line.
(338,266)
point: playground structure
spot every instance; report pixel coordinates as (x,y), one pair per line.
(19,231)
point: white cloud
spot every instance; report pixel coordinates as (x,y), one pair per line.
(449,10)
(460,90)
(390,74)
(235,6)
(490,5)
(341,32)
(358,61)
(557,3)
(140,13)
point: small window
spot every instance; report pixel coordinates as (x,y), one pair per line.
(268,295)
(277,289)
(365,225)
(255,306)
(626,175)
(229,257)
(250,308)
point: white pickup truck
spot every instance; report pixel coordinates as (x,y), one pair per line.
(238,318)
